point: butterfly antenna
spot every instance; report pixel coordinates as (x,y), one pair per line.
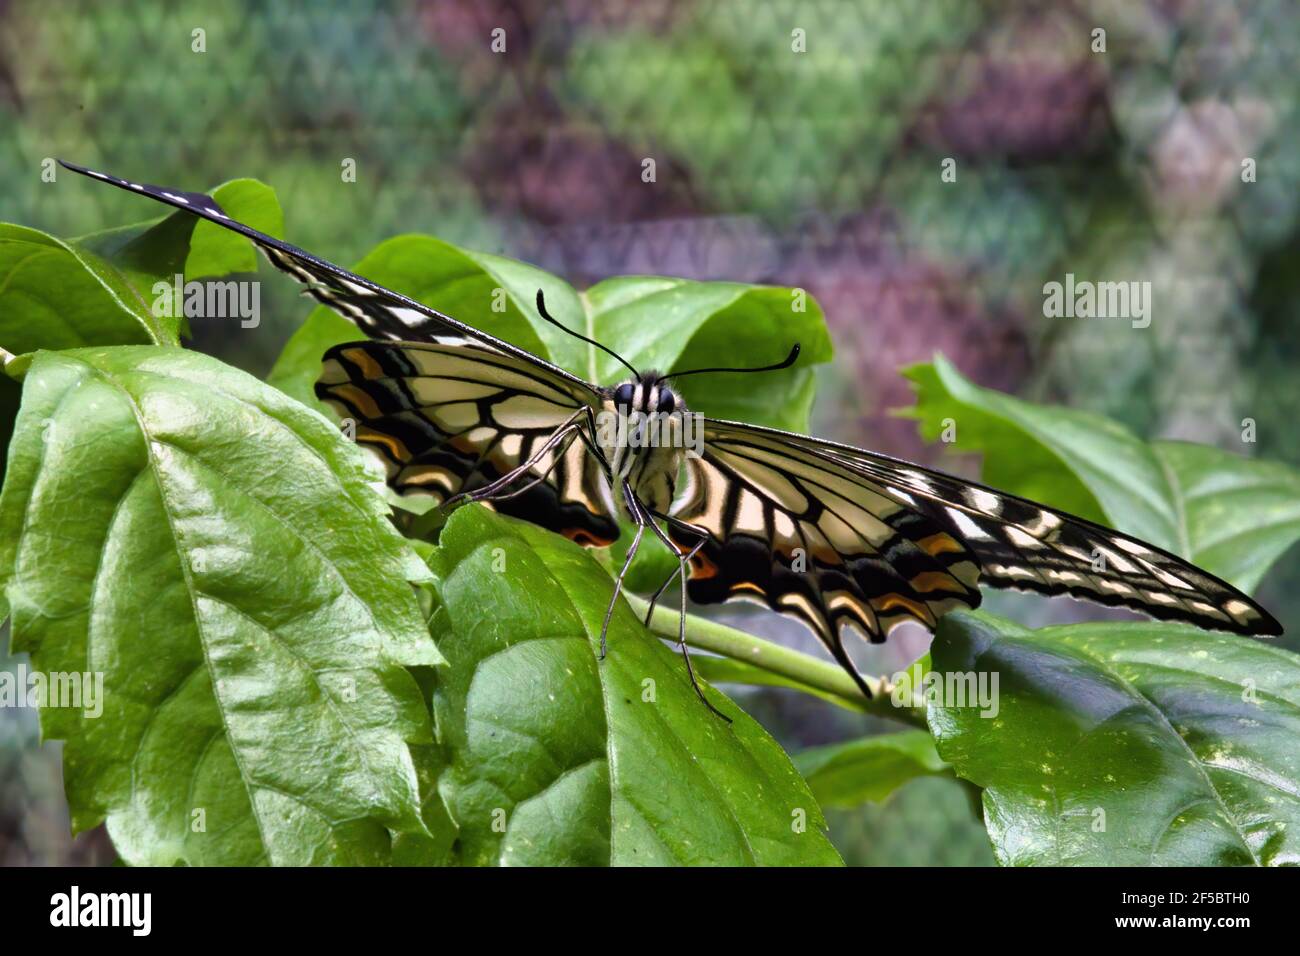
(784,363)
(541,310)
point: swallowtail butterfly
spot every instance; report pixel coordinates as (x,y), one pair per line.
(835,536)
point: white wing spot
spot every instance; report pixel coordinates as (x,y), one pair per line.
(918,480)
(1046,522)
(1012,571)
(1116,587)
(983,500)
(1132,547)
(406,316)
(1021,538)
(1171,580)
(179,199)
(1240,610)
(903,495)
(967,527)
(1066,577)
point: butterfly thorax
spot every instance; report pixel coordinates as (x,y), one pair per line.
(641,431)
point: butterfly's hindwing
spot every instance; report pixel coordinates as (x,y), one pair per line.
(447,420)
(813,540)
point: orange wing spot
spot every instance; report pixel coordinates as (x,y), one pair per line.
(358,398)
(585,538)
(370,437)
(362,360)
(936,581)
(939,543)
(749,586)
(890,601)
(702,567)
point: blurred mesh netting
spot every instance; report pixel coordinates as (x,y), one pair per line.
(792,142)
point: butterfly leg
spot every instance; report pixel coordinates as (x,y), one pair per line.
(505,496)
(618,582)
(514,474)
(682,560)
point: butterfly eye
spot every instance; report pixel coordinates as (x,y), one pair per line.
(666,402)
(623,395)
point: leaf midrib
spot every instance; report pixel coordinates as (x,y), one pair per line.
(249,781)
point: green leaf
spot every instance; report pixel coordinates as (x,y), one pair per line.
(1126,744)
(213,550)
(98,290)
(1237,515)
(1232,516)
(869,769)
(61,295)
(296,370)
(215,250)
(584,761)
(677,324)
(668,324)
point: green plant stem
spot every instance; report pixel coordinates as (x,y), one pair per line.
(791,665)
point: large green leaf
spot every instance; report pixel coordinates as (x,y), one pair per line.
(98,290)
(213,549)
(557,757)
(868,769)
(1233,516)
(654,322)
(1126,744)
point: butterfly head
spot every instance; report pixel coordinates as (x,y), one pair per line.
(647,394)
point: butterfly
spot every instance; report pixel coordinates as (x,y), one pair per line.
(837,537)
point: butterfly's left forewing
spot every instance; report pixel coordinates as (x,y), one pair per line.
(445,420)
(377,311)
(447,407)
